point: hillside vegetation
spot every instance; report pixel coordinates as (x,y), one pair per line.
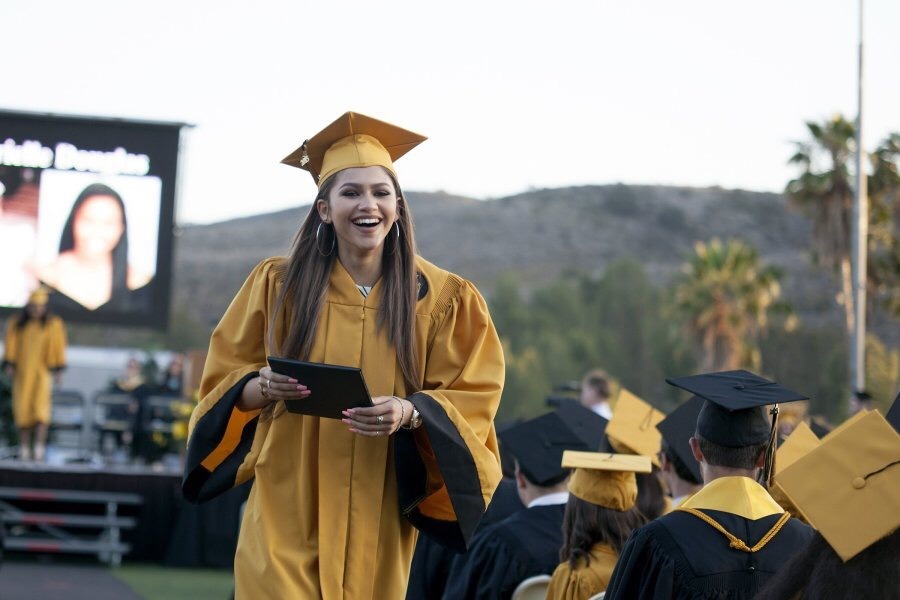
(536,235)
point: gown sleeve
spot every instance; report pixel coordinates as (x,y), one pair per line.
(11,343)
(448,469)
(223,442)
(642,571)
(56,345)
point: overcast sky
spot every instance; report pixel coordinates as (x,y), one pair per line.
(513,95)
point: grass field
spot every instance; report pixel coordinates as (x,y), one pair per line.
(154,582)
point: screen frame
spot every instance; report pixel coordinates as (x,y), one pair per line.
(161,142)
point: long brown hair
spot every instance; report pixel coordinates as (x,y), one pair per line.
(586,524)
(305,275)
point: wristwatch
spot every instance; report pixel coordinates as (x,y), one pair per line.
(415,421)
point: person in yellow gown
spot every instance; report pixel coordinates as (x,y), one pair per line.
(336,505)
(35,348)
(600,515)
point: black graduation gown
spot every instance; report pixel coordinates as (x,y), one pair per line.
(502,555)
(679,556)
(431,560)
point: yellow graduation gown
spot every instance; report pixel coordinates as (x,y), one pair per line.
(585,580)
(325,517)
(35,350)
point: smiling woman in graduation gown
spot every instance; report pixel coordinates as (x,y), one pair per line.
(334,514)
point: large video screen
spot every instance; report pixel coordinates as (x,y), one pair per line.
(86,211)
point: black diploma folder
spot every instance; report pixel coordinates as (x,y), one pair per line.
(333,388)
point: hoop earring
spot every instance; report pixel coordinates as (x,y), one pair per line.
(319,246)
(397,240)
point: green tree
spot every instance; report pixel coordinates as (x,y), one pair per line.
(725,295)
(561,330)
(882,372)
(884,225)
(824,190)
(811,359)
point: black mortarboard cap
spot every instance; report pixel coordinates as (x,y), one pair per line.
(678,428)
(893,414)
(733,415)
(585,423)
(538,445)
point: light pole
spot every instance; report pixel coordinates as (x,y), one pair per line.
(860,236)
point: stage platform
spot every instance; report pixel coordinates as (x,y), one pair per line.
(161,527)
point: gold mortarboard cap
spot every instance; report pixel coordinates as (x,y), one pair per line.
(849,487)
(605,479)
(353,140)
(633,426)
(39,297)
(801,442)
(848,423)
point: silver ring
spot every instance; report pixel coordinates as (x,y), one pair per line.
(269,385)
(379,419)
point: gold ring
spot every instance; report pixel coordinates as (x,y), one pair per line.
(379,419)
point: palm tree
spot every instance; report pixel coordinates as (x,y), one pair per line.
(725,293)
(884,224)
(824,189)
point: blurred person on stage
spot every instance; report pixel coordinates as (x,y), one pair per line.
(34,357)
(171,382)
(336,503)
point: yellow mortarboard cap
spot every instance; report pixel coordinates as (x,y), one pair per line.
(849,487)
(848,423)
(353,140)
(633,426)
(39,296)
(605,479)
(801,442)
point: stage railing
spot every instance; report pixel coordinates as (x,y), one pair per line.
(66,531)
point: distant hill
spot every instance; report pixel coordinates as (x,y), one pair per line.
(537,235)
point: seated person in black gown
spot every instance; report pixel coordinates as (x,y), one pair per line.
(172,379)
(849,489)
(431,560)
(731,537)
(632,431)
(678,467)
(528,542)
(134,383)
